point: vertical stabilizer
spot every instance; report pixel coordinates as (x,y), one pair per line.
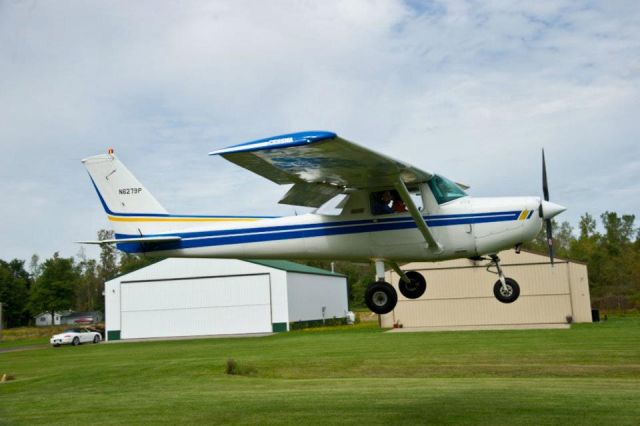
(121,194)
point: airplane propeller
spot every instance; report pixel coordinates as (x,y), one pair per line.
(548,209)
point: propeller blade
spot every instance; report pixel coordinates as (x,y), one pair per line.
(550,239)
(547,209)
(545,185)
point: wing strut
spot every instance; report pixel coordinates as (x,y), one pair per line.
(416,215)
(400,272)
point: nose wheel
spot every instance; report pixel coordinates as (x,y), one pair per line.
(506,290)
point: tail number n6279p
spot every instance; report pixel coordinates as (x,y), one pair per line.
(129,191)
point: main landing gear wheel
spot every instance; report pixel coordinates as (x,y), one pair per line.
(380,297)
(508,293)
(415,288)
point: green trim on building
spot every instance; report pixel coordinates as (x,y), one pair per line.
(285,265)
(113,334)
(299,325)
(279,327)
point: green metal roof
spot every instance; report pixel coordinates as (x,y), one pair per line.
(285,265)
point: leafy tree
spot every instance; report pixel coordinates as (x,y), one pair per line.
(613,260)
(619,230)
(133,262)
(54,290)
(587,226)
(89,292)
(34,267)
(108,267)
(14,288)
(562,239)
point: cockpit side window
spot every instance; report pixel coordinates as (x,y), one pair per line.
(444,190)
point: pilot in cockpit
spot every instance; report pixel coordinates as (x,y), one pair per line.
(382,202)
(387,202)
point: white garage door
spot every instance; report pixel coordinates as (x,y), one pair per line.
(196,306)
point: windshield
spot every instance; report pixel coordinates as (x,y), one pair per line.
(444,190)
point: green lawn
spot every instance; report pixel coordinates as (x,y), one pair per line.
(587,375)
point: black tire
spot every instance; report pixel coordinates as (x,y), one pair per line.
(96,339)
(56,346)
(381,297)
(512,294)
(76,341)
(416,288)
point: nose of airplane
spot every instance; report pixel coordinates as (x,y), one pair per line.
(550,209)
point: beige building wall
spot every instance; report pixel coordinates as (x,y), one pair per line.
(460,293)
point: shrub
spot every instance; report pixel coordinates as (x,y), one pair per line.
(235,369)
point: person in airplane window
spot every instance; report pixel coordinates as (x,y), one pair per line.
(398,205)
(382,201)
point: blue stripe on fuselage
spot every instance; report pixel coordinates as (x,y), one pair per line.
(283,232)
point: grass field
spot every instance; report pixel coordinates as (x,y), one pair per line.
(359,375)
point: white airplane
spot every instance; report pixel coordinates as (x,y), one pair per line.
(369,207)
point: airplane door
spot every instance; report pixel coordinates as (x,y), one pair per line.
(455,237)
(451,224)
(394,233)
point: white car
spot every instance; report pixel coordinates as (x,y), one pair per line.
(75,336)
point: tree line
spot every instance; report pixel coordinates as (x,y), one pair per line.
(612,257)
(60,283)
(77,283)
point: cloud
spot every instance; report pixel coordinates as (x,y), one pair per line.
(471,90)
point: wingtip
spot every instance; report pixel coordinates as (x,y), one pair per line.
(279,141)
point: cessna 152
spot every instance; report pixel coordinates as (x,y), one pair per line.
(369,207)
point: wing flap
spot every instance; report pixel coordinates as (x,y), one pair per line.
(310,194)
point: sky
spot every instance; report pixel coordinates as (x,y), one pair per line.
(472,90)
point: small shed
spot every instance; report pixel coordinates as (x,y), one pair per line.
(198,297)
(44,318)
(459,294)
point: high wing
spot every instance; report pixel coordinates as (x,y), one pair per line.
(320,164)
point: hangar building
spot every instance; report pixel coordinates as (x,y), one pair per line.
(460,294)
(195,297)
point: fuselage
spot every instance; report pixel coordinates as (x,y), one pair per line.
(464,227)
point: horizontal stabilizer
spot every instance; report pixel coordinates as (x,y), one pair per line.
(149,240)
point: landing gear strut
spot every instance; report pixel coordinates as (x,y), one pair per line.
(506,290)
(380,296)
(412,284)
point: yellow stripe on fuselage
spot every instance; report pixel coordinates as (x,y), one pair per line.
(183,219)
(523,215)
